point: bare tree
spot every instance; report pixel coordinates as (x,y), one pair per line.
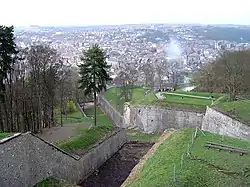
(148,70)
(229,73)
(160,71)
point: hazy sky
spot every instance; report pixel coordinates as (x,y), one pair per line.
(102,12)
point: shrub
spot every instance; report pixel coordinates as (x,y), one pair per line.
(71,106)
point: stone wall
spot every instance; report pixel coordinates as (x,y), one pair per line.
(215,121)
(27,159)
(151,119)
(116,117)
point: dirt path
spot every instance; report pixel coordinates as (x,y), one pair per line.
(56,134)
(113,172)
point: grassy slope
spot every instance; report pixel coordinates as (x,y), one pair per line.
(88,136)
(242,109)
(4,135)
(138,96)
(158,170)
(49,182)
(136,135)
(101,118)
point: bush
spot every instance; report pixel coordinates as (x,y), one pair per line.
(71,106)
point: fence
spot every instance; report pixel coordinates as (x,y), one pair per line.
(186,155)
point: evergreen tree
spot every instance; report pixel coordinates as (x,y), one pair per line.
(8,55)
(94,73)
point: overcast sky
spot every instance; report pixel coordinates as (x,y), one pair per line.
(112,12)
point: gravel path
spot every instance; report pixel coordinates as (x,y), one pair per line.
(56,134)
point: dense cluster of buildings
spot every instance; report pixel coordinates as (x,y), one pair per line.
(133,44)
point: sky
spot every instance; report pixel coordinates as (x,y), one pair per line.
(116,12)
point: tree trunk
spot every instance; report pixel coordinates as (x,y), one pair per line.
(1,119)
(95,108)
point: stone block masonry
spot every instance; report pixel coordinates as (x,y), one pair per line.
(26,159)
(115,116)
(217,122)
(151,119)
(154,119)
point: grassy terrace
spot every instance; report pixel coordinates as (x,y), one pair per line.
(159,169)
(195,102)
(238,109)
(139,98)
(188,100)
(88,135)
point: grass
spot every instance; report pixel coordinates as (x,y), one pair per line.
(101,118)
(238,109)
(159,169)
(136,135)
(77,117)
(73,117)
(187,100)
(203,94)
(86,137)
(53,182)
(4,135)
(138,97)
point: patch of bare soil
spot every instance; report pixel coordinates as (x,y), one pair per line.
(134,173)
(115,171)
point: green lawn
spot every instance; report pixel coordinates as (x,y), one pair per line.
(77,117)
(159,169)
(4,135)
(203,94)
(86,137)
(101,118)
(187,100)
(138,97)
(136,135)
(238,109)
(73,117)
(53,182)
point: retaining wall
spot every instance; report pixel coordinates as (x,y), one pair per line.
(26,159)
(151,119)
(217,122)
(116,117)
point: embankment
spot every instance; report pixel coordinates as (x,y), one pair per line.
(217,122)
(152,119)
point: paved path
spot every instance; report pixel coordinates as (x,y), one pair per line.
(185,95)
(57,134)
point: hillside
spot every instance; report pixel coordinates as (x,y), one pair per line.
(208,167)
